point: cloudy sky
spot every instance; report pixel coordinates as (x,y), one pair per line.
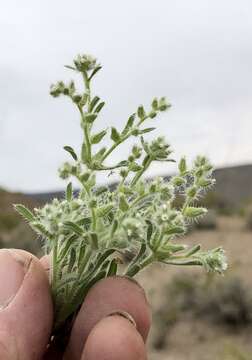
(198,53)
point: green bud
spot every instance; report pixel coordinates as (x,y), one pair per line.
(205,182)
(123,204)
(131,158)
(182,166)
(85,63)
(71,87)
(90,118)
(115,136)
(152,114)
(178,180)
(155,104)
(66,91)
(141,112)
(191,192)
(76,98)
(85,176)
(135,132)
(136,151)
(193,212)
(134,167)
(163,105)
(84,99)
(123,173)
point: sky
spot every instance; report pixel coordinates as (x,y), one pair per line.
(198,53)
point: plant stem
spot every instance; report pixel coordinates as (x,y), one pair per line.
(114,146)
(86,134)
(140,173)
(135,268)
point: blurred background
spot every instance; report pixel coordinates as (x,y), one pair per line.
(198,53)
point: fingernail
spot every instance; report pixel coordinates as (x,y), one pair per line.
(13,267)
(124,314)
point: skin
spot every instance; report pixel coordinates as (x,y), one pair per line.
(113,322)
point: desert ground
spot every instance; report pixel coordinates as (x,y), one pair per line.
(192,337)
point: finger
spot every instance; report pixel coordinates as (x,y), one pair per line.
(114,338)
(26,310)
(108,296)
(45,262)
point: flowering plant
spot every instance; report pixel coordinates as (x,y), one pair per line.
(87,234)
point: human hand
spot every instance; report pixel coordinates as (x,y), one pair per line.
(26,315)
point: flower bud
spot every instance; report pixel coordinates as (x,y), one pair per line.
(152,114)
(77,98)
(182,166)
(193,212)
(141,112)
(192,192)
(178,181)
(155,104)
(85,176)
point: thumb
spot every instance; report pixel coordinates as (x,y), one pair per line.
(26,311)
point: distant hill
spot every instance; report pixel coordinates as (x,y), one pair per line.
(233,187)
(14,231)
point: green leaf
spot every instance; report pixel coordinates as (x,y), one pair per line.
(94,240)
(122,163)
(99,67)
(93,103)
(175,230)
(95,139)
(70,67)
(155,104)
(115,136)
(123,204)
(73,227)
(105,210)
(98,156)
(149,231)
(90,118)
(67,279)
(114,228)
(26,213)
(99,107)
(91,181)
(69,192)
(129,124)
(146,130)
(67,244)
(141,252)
(41,229)
(71,151)
(101,190)
(102,257)
(71,259)
(82,251)
(85,221)
(112,268)
(193,250)
(146,160)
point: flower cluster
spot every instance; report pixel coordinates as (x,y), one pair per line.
(87,231)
